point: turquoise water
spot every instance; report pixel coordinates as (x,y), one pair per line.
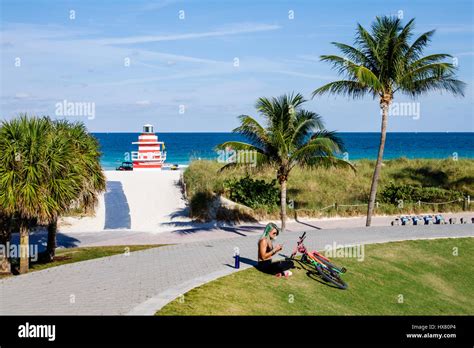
(183,147)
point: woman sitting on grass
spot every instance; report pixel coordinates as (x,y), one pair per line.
(266,251)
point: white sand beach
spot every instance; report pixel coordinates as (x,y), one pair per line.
(134,200)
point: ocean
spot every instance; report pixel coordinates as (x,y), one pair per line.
(183,147)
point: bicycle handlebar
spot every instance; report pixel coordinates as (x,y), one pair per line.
(303,236)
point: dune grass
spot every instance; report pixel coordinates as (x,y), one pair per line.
(314,189)
(422,277)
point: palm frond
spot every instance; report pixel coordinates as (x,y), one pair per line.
(321,144)
(354,54)
(343,87)
(436,84)
(417,47)
(252,130)
(383,61)
(241,154)
(306,123)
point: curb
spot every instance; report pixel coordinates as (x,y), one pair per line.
(155,303)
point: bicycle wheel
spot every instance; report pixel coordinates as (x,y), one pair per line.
(304,258)
(331,276)
(330,265)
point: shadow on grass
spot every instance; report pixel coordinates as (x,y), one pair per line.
(42,259)
(313,274)
(463,183)
(310,271)
(426,176)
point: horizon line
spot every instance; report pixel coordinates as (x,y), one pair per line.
(215,132)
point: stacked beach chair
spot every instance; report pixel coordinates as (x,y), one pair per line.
(436,219)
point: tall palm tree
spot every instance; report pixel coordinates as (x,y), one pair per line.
(383,62)
(291,136)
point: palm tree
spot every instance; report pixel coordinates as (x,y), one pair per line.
(81,170)
(23,174)
(291,136)
(45,168)
(5,233)
(383,62)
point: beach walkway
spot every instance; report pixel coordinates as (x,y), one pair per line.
(142,282)
(138,201)
(187,231)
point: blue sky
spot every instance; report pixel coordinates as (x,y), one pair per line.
(182,75)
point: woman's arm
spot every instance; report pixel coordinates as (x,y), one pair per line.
(262,250)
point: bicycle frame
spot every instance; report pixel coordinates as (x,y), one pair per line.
(313,255)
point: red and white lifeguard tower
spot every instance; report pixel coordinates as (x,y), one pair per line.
(151,153)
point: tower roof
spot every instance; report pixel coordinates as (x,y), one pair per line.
(148,128)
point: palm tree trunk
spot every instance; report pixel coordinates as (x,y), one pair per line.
(51,246)
(384,104)
(24,247)
(5,234)
(283,204)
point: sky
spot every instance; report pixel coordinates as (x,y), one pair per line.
(195,66)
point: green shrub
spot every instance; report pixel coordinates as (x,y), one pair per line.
(435,194)
(253,193)
(393,193)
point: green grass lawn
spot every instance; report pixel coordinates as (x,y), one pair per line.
(400,278)
(71,255)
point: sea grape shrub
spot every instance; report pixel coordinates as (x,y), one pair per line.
(252,192)
(393,193)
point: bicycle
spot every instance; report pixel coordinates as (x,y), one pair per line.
(327,270)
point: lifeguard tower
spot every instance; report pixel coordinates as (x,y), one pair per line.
(151,153)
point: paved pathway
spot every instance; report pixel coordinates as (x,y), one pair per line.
(177,232)
(135,283)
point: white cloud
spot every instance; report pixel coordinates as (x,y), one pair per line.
(308,76)
(234,30)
